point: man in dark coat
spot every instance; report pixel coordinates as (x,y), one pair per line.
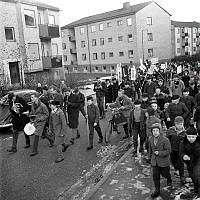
(149,87)
(100,89)
(176,108)
(108,93)
(115,87)
(18,107)
(197,96)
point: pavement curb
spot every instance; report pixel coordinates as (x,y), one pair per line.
(103,180)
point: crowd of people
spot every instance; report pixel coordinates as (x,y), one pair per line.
(162,109)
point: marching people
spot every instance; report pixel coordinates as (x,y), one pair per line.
(39,116)
(159,154)
(57,127)
(18,107)
(100,89)
(55,95)
(176,135)
(137,126)
(93,117)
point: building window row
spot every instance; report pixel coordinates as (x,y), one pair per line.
(10,34)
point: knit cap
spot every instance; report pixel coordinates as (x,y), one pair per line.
(191,130)
(179,119)
(156,125)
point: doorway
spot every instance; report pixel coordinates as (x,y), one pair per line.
(14,72)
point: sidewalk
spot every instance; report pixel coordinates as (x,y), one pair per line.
(132,179)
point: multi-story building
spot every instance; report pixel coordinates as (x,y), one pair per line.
(185,38)
(98,43)
(29,40)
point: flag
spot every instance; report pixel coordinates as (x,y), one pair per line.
(142,66)
(179,69)
(133,73)
(119,72)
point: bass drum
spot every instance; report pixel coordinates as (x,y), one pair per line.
(29,129)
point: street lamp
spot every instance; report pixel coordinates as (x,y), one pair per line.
(143,43)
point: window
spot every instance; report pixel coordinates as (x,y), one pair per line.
(29,16)
(150,52)
(109,24)
(64,46)
(110,39)
(194,48)
(39,19)
(96,68)
(195,30)
(130,37)
(65,58)
(178,30)
(149,20)
(94,42)
(82,44)
(101,41)
(93,28)
(103,55)
(120,38)
(62,34)
(101,27)
(111,54)
(83,56)
(121,53)
(104,68)
(178,50)
(10,34)
(51,19)
(119,22)
(33,51)
(94,56)
(178,40)
(194,40)
(150,36)
(130,53)
(129,21)
(82,30)
(113,68)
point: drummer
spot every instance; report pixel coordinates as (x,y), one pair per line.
(123,104)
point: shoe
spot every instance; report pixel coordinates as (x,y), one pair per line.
(78,136)
(100,140)
(89,148)
(125,137)
(59,160)
(12,150)
(33,154)
(155,194)
(65,146)
(27,146)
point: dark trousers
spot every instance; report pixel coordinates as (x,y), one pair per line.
(100,103)
(142,134)
(125,127)
(164,171)
(177,162)
(15,139)
(35,143)
(91,134)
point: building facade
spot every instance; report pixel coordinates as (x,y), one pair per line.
(98,43)
(185,38)
(29,40)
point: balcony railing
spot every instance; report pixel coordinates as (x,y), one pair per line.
(73,51)
(51,62)
(47,31)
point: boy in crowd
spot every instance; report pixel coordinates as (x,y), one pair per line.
(159,154)
(57,127)
(93,116)
(160,98)
(190,104)
(137,126)
(176,135)
(145,101)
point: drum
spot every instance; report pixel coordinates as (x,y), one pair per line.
(29,129)
(119,119)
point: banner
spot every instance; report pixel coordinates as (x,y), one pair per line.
(133,73)
(142,66)
(119,73)
(179,69)
(154,61)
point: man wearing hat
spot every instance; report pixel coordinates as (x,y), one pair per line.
(57,127)
(176,108)
(149,87)
(145,101)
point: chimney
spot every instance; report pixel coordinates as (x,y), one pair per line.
(126,5)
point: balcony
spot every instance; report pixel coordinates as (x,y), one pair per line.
(185,35)
(47,31)
(73,51)
(49,62)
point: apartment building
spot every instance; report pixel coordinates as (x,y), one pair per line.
(29,40)
(185,38)
(98,43)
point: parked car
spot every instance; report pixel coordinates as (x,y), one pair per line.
(5,115)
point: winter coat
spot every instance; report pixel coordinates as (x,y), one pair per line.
(175,138)
(57,97)
(164,149)
(149,122)
(93,114)
(178,89)
(129,92)
(109,94)
(81,99)
(115,87)
(197,118)
(150,89)
(160,100)
(145,104)
(197,99)
(41,115)
(100,89)
(142,120)
(189,102)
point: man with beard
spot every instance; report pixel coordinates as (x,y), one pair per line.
(18,107)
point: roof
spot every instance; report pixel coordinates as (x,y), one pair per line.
(35,3)
(185,24)
(110,15)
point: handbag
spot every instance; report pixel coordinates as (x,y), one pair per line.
(119,119)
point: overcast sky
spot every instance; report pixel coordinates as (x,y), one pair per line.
(72,10)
